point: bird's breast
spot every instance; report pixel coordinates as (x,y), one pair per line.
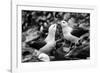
(67,30)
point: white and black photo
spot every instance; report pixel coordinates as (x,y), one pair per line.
(54,36)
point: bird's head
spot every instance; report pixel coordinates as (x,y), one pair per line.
(52,28)
(63,23)
(51,33)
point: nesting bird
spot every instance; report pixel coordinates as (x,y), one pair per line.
(50,40)
(51,33)
(46,44)
(67,29)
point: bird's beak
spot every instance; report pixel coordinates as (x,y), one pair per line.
(55,25)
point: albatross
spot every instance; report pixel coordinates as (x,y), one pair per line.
(67,30)
(50,40)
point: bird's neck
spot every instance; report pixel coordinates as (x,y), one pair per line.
(67,29)
(50,37)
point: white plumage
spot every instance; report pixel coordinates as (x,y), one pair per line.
(67,32)
(44,57)
(50,40)
(51,33)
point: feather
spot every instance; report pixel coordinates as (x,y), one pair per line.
(67,32)
(50,40)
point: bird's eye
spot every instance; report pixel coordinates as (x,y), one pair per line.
(63,22)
